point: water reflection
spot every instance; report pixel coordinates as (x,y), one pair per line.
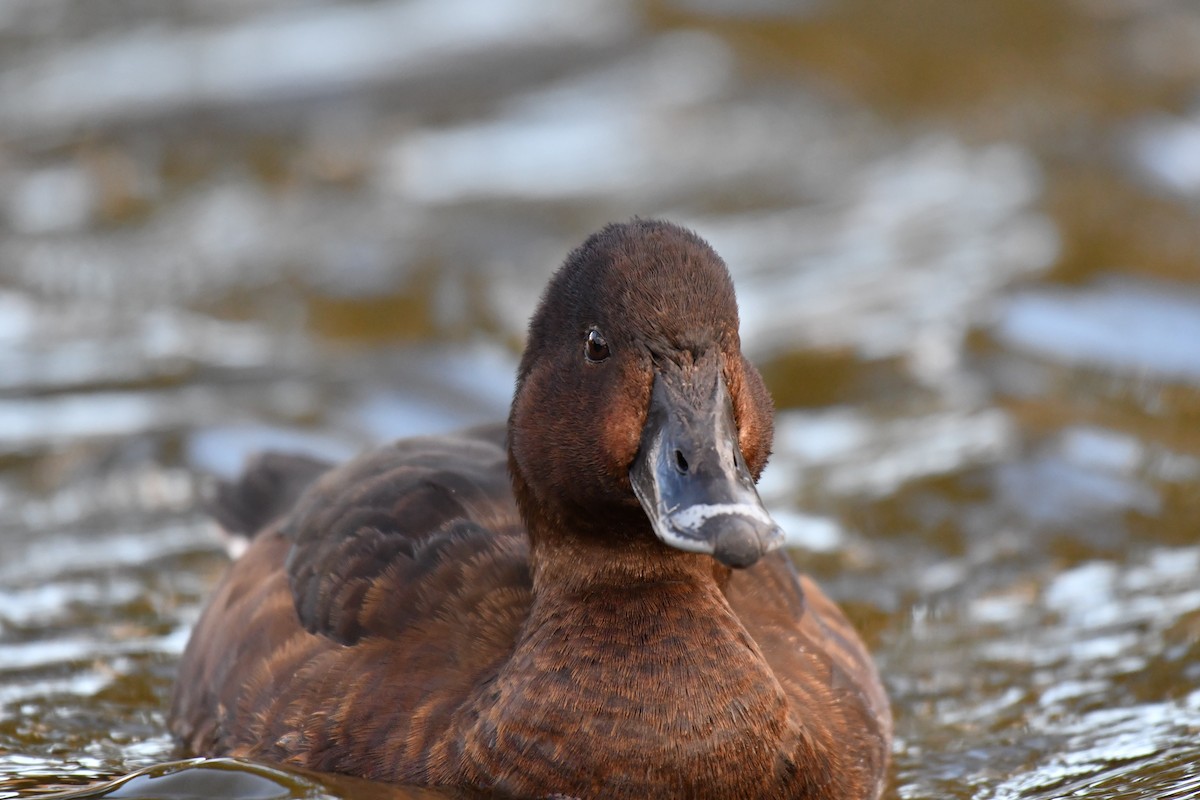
(1165,149)
(265,52)
(965,245)
(1115,326)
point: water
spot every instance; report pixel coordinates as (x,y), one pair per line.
(965,242)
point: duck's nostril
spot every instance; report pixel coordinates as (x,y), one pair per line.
(680,462)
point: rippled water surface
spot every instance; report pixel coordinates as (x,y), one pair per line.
(966,240)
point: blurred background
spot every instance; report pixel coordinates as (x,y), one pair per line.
(966,241)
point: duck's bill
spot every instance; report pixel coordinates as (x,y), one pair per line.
(690,477)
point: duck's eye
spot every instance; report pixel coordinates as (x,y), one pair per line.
(596,348)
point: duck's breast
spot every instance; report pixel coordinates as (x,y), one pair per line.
(822,664)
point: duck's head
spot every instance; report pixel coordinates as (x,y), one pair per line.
(635,409)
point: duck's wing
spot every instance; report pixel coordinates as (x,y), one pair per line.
(390,591)
(390,538)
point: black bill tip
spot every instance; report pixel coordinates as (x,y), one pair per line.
(740,542)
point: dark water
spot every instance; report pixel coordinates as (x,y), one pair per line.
(966,238)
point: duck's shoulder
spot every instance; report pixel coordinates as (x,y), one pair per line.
(402,533)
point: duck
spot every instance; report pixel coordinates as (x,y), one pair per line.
(590,601)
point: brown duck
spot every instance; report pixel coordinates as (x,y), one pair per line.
(590,603)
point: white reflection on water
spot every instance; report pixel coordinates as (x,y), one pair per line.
(1102,449)
(223,450)
(752,9)
(1049,687)
(820,534)
(1051,490)
(904,254)
(287,53)
(1129,608)
(32,423)
(50,200)
(68,344)
(583,137)
(551,158)
(1104,745)
(1167,150)
(59,554)
(846,452)
(1122,326)
(24,422)
(99,655)
(84,684)
(51,603)
(443,388)
(1086,472)
(24,655)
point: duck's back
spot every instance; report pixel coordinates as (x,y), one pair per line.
(353,627)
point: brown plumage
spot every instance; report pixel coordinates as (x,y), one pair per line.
(549,608)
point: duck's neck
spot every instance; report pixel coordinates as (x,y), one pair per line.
(632,667)
(584,564)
